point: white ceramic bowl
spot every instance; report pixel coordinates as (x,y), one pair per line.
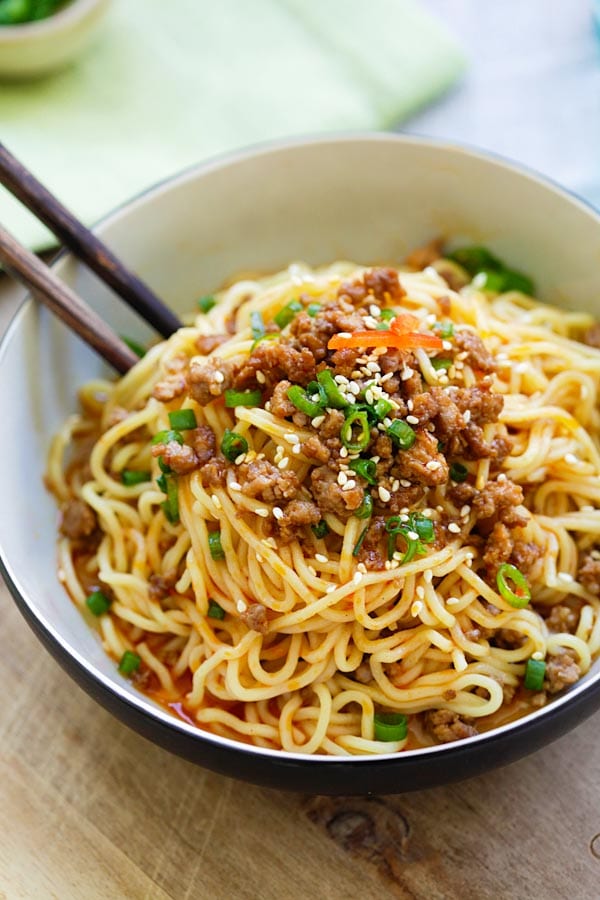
(36,48)
(369,198)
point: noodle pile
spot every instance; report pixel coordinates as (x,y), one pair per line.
(345,637)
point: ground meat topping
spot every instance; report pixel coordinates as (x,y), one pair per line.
(561,671)
(276,361)
(160,586)
(213,473)
(203,442)
(446,726)
(563,618)
(206,343)
(281,405)
(181,458)
(330,497)
(592,335)
(264,481)
(499,501)
(589,572)
(477,354)
(78,520)
(423,463)
(208,380)
(171,387)
(297,515)
(255,617)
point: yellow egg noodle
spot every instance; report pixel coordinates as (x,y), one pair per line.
(424,628)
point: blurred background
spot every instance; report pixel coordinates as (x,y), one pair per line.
(147,88)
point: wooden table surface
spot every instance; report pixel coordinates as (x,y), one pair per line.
(90,810)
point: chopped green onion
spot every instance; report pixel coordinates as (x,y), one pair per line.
(129,477)
(458,472)
(130,663)
(366,468)
(360,540)
(382,408)
(183,419)
(242,398)
(206,303)
(383,326)
(394,526)
(312,309)
(138,349)
(170,507)
(165,437)
(233,444)
(388,314)
(490,281)
(97,603)
(359,442)
(214,545)
(285,315)
(365,510)
(162,483)
(444,330)
(439,364)
(519,598)
(271,336)
(164,468)
(215,611)
(535,672)
(335,398)
(298,396)
(402,434)
(390,726)
(516,281)
(321,529)
(424,528)
(475,259)
(257,325)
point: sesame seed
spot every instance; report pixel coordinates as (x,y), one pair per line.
(296,449)
(420,592)
(278,512)
(416,608)
(431,319)
(262,512)
(234,486)
(395,485)
(446,345)
(241,606)
(312,570)
(454,527)
(270,542)
(320,557)
(354,388)
(350,485)
(433,465)
(343,452)
(384,494)
(341,379)
(330,588)
(407,373)
(386,377)
(403,517)
(412,535)
(571,458)
(216,501)
(412,420)
(342,478)
(375,459)
(357,577)
(467,416)
(291,438)
(465,511)
(362,568)
(404,483)
(283,463)
(410,405)
(565,576)
(501,477)
(369,396)
(395,564)
(219,377)
(260,377)
(317,421)
(387,565)
(537,655)
(374,310)
(344,334)
(240,459)
(370,322)
(452,601)
(387,422)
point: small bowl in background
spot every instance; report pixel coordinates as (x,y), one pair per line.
(33,49)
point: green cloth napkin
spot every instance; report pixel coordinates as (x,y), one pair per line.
(168,84)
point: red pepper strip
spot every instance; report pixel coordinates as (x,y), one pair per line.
(404,323)
(411,340)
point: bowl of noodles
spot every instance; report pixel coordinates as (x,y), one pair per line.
(339,533)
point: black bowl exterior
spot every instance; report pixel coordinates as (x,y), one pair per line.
(332,776)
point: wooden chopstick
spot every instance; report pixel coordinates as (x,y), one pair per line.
(85,245)
(42,281)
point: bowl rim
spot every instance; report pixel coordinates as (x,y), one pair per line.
(70,14)
(82,670)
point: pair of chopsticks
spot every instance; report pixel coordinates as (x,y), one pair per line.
(43,283)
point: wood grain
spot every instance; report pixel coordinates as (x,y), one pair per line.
(90,810)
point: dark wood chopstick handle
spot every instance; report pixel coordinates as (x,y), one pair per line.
(85,245)
(32,272)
